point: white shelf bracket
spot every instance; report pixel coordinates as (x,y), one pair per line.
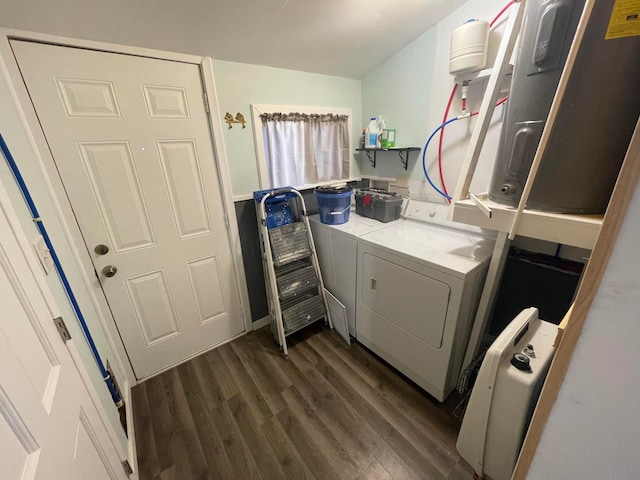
(481,206)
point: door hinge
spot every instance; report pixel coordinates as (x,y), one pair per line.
(226,220)
(62,329)
(206,101)
(126,466)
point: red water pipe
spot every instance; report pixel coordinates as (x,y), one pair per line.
(446,112)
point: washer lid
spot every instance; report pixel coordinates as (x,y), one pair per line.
(356,226)
(450,251)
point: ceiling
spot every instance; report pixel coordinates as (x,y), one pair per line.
(346,38)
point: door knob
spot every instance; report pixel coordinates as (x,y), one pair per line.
(109,271)
(101,249)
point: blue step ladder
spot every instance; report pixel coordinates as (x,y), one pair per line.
(295,290)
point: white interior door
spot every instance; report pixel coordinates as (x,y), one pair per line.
(131,141)
(49,427)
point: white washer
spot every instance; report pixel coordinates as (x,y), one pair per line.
(337,247)
(418,287)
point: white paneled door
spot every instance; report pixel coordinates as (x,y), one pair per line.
(49,427)
(131,140)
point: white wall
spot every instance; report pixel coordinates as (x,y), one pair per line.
(239,85)
(18,142)
(412,90)
(593,431)
(401,91)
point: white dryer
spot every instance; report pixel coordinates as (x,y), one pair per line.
(337,248)
(418,287)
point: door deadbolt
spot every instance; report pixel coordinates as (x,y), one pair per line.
(101,249)
(109,271)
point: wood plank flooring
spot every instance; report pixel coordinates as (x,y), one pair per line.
(330,412)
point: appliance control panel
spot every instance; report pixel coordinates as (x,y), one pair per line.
(430,212)
(437,213)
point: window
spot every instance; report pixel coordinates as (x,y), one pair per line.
(302,146)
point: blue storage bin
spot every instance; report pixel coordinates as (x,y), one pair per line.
(334,204)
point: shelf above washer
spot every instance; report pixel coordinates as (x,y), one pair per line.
(567,229)
(403,153)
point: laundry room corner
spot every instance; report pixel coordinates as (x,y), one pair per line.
(411,91)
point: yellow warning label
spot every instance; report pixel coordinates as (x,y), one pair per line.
(625,19)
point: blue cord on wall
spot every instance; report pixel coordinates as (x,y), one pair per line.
(424,152)
(63,277)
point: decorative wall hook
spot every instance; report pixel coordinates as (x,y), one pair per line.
(239,119)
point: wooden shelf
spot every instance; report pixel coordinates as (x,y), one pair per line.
(567,229)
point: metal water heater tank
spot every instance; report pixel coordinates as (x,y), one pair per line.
(596,117)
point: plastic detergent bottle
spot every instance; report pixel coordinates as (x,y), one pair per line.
(382,124)
(371,134)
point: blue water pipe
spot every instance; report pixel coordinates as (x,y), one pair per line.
(424,152)
(67,287)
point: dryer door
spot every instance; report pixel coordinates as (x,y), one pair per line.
(412,301)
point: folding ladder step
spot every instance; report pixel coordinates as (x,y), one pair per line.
(291,267)
(289,243)
(297,281)
(303,313)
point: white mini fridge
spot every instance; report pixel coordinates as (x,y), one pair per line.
(505,394)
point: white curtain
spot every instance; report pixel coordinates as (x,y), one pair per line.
(305,149)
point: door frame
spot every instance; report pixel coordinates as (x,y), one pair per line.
(72,235)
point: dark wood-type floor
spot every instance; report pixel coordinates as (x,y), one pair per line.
(331,412)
